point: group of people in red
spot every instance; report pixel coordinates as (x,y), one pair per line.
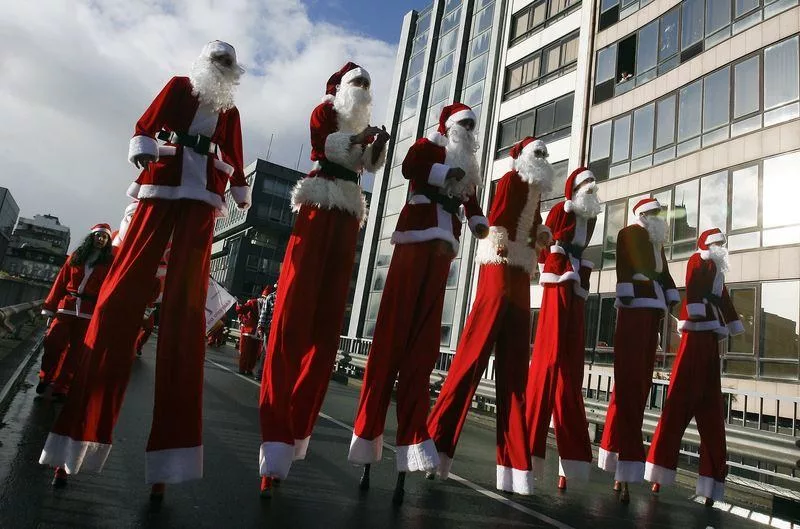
(181,189)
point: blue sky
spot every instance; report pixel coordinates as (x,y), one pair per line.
(381,19)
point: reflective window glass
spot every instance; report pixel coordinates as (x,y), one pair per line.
(643,131)
(744,198)
(415,66)
(551,60)
(718,15)
(622,139)
(714,202)
(780,174)
(781,73)
(668,35)
(744,299)
(395,200)
(780,324)
(479,44)
(606,64)
(564,108)
(716,99)
(647,48)
(747,88)
(689,111)
(745,6)
(484,20)
(450,21)
(447,44)
(476,70)
(615,221)
(665,127)
(443,67)
(601,142)
(692,22)
(684,213)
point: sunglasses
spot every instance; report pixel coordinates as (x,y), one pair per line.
(223,59)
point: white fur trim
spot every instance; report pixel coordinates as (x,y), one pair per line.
(735,327)
(174,465)
(630,471)
(142,145)
(477,220)
(705,255)
(417,457)
(573,469)
(223,166)
(328,98)
(696,310)
(514,480)
(301,448)
(242,194)
(437,138)
(535,145)
(428,234)
(537,464)
(708,487)
(76,313)
(445,464)
(366,159)
(459,116)
(548,278)
(569,206)
(355,73)
(48,313)
(275,459)
(657,302)
(715,237)
(519,254)
(140,192)
(585,263)
(652,205)
(438,174)
(672,296)
(624,290)
(582,177)
(102,230)
(658,474)
(324,193)
(339,150)
(365,451)
(607,460)
(167,150)
(72,455)
(702,326)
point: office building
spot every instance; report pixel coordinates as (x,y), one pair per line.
(9,211)
(37,248)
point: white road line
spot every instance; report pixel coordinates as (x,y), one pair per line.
(474,486)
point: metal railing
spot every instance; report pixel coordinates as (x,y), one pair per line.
(11,318)
(760,428)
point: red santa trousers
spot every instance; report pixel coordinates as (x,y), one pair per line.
(500,318)
(694,391)
(554,383)
(81,437)
(635,342)
(249,349)
(405,347)
(145,332)
(304,336)
(63,351)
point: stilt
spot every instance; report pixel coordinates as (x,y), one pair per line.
(157,492)
(709,502)
(60,478)
(364,483)
(656,488)
(266,487)
(562,482)
(617,486)
(399,489)
(625,495)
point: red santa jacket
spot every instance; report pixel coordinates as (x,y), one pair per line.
(183,173)
(642,271)
(515,221)
(75,289)
(708,306)
(561,262)
(422,220)
(248,316)
(330,142)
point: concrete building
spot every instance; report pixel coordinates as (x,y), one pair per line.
(37,249)
(9,211)
(695,102)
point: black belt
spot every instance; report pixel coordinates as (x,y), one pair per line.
(450,204)
(572,249)
(199,143)
(88,297)
(337,171)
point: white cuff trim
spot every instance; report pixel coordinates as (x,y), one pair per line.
(658,474)
(625,290)
(74,456)
(242,194)
(573,469)
(365,451)
(708,487)
(275,459)
(477,220)
(630,471)
(696,310)
(142,145)
(417,457)
(301,448)
(445,464)
(174,465)
(438,174)
(514,480)
(736,327)
(607,460)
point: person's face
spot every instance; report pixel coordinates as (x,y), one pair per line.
(360,82)
(223,60)
(101,239)
(468,124)
(587,184)
(652,213)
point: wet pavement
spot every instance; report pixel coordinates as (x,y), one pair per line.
(322,491)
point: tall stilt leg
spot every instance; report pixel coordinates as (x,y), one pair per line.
(364,483)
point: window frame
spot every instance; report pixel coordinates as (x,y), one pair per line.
(549,19)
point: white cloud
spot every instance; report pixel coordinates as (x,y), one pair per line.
(77,74)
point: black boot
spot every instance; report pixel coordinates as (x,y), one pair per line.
(364,483)
(399,489)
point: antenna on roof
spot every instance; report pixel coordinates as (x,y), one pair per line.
(269,149)
(299,156)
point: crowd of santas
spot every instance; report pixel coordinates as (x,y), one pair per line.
(188,145)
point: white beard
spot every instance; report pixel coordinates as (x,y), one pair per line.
(657,230)
(719,254)
(213,85)
(535,171)
(587,205)
(353,106)
(460,152)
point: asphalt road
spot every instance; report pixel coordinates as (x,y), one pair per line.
(322,491)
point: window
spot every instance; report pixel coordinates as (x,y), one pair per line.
(689,111)
(483,20)
(615,221)
(692,19)
(780,222)
(668,35)
(541,66)
(665,126)
(479,45)
(643,123)
(714,202)
(716,105)
(476,71)
(647,49)
(548,122)
(781,84)
(744,198)
(747,89)
(450,21)
(684,219)
(779,329)
(608,323)
(447,44)
(718,16)
(415,64)
(537,15)
(622,140)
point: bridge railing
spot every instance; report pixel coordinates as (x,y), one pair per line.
(761,428)
(15,315)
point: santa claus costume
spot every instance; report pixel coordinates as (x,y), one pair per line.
(500,321)
(444,174)
(180,190)
(707,317)
(315,274)
(249,339)
(556,370)
(70,304)
(645,291)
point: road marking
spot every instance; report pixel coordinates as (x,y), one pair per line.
(455,477)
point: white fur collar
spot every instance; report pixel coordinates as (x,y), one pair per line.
(438,139)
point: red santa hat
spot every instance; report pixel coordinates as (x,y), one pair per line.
(709,237)
(105,228)
(217,48)
(267,291)
(578,176)
(347,73)
(450,115)
(645,205)
(526,146)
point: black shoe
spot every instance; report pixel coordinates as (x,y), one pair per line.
(157,493)
(41,387)
(60,478)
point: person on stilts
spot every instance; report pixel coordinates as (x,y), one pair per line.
(556,370)
(707,317)
(645,292)
(70,305)
(180,191)
(315,275)
(444,175)
(265,324)
(249,339)
(500,321)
